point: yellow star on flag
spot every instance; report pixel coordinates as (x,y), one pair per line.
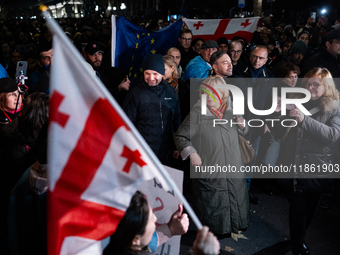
(138,36)
(152,41)
(153,51)
(141,70)
(130,74)
(137,45)
(131,68)
(135,75)
(133,56)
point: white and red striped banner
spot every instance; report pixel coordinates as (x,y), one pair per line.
(212,29)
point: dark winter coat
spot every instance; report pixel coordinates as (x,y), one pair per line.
(310,145)
(186,56)
(323,59)
(262,92)
(155,112)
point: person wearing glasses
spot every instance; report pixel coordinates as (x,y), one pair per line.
(235,52)
(310,145)
(184,46)
(255,75)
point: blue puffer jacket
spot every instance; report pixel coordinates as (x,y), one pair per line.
(155,112)
(3,72)
(197,68)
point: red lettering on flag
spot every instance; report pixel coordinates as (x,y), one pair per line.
(71,215)
(246,23)
(55,114)
(132,157)
(198,25)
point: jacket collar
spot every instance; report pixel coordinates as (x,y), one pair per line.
(328,55)
(156,89)
(247,70)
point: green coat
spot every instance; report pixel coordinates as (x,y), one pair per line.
(221,199)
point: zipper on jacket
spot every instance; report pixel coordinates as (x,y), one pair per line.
(160,107)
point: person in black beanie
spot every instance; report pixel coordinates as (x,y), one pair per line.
(328,57)
(153,106)
(9,96)
(298,52)
(222,44)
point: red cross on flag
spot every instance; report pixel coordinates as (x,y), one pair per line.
(96,161)
(212,29)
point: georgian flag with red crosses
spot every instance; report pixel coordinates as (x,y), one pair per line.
(95,162)
(212,29)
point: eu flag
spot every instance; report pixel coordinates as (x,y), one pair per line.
(130,44)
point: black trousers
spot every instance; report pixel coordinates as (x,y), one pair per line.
(302,209)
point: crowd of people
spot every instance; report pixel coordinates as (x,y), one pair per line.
(166,108)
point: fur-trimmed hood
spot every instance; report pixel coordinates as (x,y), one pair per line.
(325,103)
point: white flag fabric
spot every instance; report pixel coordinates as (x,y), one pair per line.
(212,29)
(95,162)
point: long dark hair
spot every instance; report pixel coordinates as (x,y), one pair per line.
(133,223)
(34,115)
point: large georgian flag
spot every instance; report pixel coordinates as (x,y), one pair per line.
(212,29)
(96,162)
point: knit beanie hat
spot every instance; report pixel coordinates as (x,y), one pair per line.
(299,47)
(154,62)
(222,40)
(7,85)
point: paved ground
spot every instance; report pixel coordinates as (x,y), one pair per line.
(268,232)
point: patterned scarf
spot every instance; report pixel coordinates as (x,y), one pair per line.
(173,82)
(218,112)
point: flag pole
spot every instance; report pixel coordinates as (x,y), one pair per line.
(113,41)
(56,30)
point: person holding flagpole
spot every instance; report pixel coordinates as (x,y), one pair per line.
(136,229)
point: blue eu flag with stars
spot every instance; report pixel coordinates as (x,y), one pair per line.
(130,44)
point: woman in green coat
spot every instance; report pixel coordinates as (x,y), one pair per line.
(220,190)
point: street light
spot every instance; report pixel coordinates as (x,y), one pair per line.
(323,11)
(122,6)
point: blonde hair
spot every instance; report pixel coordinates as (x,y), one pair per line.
(326,79)
(218,80)
(168,60)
